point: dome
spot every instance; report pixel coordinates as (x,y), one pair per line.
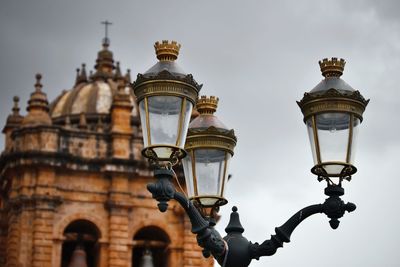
(204,122)
(206,106)
(332,82)
(170,66)
(332,69)
(93,95)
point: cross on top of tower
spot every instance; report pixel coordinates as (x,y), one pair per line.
(106,41)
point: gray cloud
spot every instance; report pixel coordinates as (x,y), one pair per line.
(259,57)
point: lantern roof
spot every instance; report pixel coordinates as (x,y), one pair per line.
(206,106)
(167,52)
(332,94)
(332,69)
(207,129)
(166,71)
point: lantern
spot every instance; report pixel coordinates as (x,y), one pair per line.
(209,145)
(166,96)
(332,113)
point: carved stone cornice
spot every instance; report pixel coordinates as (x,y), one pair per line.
(68,161)
(35,202)
(118,207)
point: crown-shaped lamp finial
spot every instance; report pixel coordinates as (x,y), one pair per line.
(332,67)
(167,51)
(207,105)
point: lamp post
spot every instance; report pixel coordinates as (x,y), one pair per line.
(165,94)
(333,112)
(210,147)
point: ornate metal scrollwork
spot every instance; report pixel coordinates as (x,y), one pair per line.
(234,250)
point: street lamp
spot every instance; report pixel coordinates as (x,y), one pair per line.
(165,96)
(332,112)
(210,147)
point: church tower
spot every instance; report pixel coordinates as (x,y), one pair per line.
(73,181)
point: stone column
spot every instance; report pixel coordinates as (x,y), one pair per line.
(13,240)
(119,196)
(19,215)
(175,256)
(119,207)
(3,235)
(57,251)
(45,201)
(42,254)
(121,121)
(103,261)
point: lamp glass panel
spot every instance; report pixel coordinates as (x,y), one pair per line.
(333,137)
(189,175)
(166,122)
(185,122)
(210,171)
(310,131)
(356,124)
(142,113)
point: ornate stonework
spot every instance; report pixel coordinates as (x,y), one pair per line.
(74,187)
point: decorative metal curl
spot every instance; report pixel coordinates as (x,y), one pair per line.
(234,250)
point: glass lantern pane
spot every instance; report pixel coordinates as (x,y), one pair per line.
(142,112)
(356,124)
(209,173)
(188,106)
(164,113)
(188,171)
(168,124)
(225,178)
(333,137)
(310,131)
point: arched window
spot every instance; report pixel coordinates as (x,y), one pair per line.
(150,242)
(80,244)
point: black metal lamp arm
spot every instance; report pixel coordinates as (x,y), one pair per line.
(208,238)
(234,250)
(333,207)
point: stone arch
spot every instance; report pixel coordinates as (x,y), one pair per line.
(62,224)
(151,242)
(81,242)
(158,231)
(162,225)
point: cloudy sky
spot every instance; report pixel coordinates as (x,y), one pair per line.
(259,57)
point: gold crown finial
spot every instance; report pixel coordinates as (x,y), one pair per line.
(167,51)
(332,67)
(207,105)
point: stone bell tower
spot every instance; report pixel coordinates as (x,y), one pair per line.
(73,181)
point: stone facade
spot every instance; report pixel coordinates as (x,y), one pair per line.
(76,180)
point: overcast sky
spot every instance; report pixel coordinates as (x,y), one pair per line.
(259,57)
